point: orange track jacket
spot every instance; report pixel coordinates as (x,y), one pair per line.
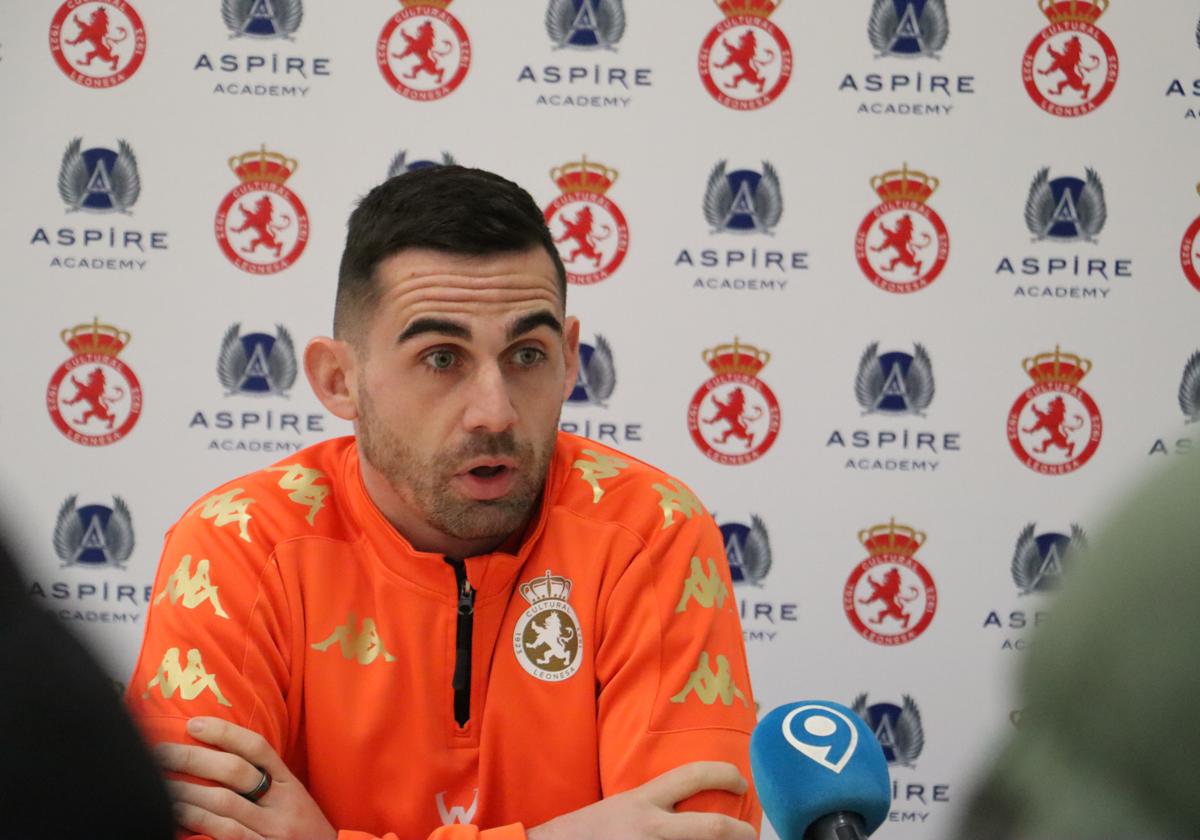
(418,695)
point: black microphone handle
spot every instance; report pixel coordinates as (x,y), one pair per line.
(840,825)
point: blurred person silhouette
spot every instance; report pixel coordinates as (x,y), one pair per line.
(72,764)
(1108,737)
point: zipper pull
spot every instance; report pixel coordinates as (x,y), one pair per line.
(466,598)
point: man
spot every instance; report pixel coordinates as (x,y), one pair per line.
(1108,739)
(458,621)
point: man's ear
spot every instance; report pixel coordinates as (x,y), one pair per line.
(570,354)
(331,366)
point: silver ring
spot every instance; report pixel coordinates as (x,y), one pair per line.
(260,789)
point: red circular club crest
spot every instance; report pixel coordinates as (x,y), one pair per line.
(261,225)
(1189,252)
(589,228)
(423,51)
(1070,67)
(1054,427)
(890,598)
(902,244)
(97,44)
(94,398)
(746,61)
(734,417)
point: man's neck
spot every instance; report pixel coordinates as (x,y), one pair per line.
(419,533)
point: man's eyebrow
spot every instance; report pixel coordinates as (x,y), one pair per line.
(529,323)
(441,326)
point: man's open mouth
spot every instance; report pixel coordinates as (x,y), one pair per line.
(488,472)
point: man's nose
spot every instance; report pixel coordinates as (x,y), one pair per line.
(489,404)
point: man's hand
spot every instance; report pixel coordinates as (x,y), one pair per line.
(648,812)
(285,812)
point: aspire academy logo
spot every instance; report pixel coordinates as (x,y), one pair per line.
(902,244)
(94,535)
(589,228)
(261,225)
(745,60)
(890,598)
(1070,67)
(423,51)
(97,44)
(94,398)
(401,164)
(585,24)
(734,417)
(587,406)
(1054,427)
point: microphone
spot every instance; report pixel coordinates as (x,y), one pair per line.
(820,773)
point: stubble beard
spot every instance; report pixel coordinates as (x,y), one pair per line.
(422,480)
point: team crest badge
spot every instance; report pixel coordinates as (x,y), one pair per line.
(734,417)
(1039,560)
(94,398)
(894,383)
(597,377)
(401,164)
(99,180)
(898,728)
(908,28)
(257,364)
(1070,67)
(1189,249)
(1189,389)
(262,225)
(590,229)
(585,24)
(1054,427)
(423,51)
(97,44)
(748,548)
(94,535)
(548,641)
(263,19)
(743,201)
(902,244)
(745,60)
(1066,209)
(890,597)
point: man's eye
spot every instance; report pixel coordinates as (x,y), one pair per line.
(529,356)
(440,360)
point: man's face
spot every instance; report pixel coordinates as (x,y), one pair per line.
(463,368)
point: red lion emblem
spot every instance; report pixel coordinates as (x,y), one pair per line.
(95,32)
(421,46)
(94,393)
(745,56)
(260,221)
(1053,422)
(1069,62)
(900,239)
(579,231)
(734,413)
(888,592)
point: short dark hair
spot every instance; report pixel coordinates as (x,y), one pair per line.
(453,209)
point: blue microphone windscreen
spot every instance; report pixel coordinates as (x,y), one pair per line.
(815,758)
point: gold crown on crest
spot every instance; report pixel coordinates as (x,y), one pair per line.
(890,538)
(547,586)
(584,175)
(1057,367)
(416,4)
(756,8)
(263,166)
(101,339)
(1083,11)
(736,358)
(905,184)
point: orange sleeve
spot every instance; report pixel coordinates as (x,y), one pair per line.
(218,632)
(671,664)
(516,831)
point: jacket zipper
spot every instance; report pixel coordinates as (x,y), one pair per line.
(462,642)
